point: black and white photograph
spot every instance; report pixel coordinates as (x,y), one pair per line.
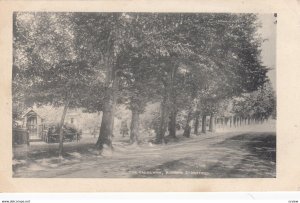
(143,95)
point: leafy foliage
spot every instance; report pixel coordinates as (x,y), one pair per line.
(257,104)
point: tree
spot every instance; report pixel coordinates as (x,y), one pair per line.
(188,62)
(103,36)
(235,58)
(171,49)
(137,88)
(46,62)
(197,42)
(259,104)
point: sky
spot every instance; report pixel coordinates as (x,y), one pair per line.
(268,32)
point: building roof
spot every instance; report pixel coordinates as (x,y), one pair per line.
(52,115)
(48,113)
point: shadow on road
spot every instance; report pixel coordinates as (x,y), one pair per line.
(263,146)
(247,155)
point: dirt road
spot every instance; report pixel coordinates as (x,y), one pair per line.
(239,154)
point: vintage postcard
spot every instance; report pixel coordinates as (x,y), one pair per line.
(149,96)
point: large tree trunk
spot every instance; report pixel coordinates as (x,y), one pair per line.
(173,95)
(172,124)
(196,126)
(113,115)
(234,121)
(134,127)
(226,121)
(160,135)
(106,127)
(187,128)
(61,136)
(107,124)
(204,124)
(212,123)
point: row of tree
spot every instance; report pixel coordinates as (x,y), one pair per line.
(187,62)
(249,108)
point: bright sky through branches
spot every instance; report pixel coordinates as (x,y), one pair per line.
(268,32)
